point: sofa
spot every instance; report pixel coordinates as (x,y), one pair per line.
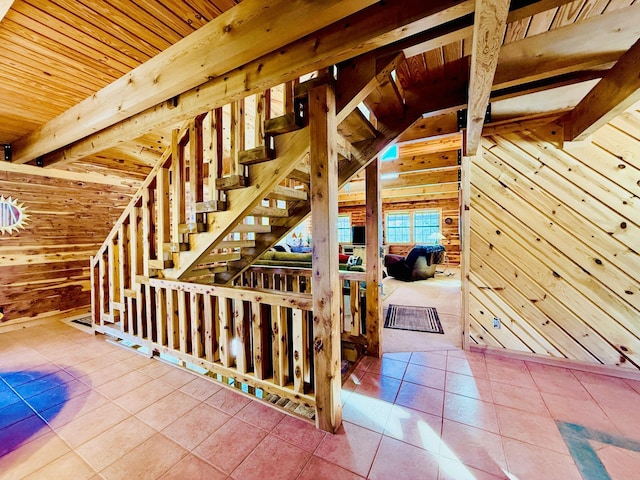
(420,264)
(303,260)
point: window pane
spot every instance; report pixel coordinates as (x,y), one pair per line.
(398,228)
(344,228)
(426,224)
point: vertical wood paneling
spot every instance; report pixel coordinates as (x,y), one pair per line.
(555,236)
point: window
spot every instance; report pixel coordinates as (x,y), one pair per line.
(398,228)
(420,227)
(425,225)
(344,228)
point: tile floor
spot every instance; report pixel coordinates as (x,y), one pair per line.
(74,406)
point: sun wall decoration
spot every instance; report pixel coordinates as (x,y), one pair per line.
(12,215)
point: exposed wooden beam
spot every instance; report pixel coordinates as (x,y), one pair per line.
(431,126)
(249,30)
(93,177)
(614,93)
(462,28)
(569,49)
(362,32)
(439,143)
(412,163)
(488,33)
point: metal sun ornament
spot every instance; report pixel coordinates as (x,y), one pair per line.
(13,215)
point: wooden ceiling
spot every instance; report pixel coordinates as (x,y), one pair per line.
(54,54)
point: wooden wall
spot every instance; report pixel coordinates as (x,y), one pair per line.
(555,236)
(44,268)
(449,209)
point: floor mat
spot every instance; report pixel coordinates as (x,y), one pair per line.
(418,319)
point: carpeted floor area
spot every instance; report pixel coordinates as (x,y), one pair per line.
(441,292)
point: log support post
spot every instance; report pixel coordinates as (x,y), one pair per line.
(326,281)
(373,253)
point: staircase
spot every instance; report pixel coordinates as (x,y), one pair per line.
(230,186)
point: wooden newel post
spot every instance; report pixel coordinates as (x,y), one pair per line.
(326,281)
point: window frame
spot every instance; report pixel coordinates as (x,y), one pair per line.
(412,233)
(343,215)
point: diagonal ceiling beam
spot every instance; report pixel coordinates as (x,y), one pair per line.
(241,34)
(614,93)
(376,26)
(569,49)
(488,34)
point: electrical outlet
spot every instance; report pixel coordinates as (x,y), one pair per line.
(496,322)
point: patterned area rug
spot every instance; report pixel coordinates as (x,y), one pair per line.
(418,319)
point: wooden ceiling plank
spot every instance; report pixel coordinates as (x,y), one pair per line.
(618,90)
(240,35)
(53,53)
(77,35)
(569,49)
(489,29)
(141,17)
(567,14)
(169,16)
(21,58)
(541,22)
(190,14)
(107,31)
(367,30)
(140,34)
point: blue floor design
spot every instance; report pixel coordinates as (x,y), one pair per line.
(23,395)
(577,439)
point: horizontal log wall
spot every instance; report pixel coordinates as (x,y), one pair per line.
(555,236)
(448,207)
(44,268)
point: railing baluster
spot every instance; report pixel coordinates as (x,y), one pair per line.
(241,337)
(182,320)
(259,341)
(298,335)
(209,328)
(224,322)
(196,325)
(161,315)
(173,329)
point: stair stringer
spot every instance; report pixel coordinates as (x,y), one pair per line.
(291,149)
(362,154)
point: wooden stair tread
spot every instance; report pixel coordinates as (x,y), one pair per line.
(175,247)
(192,228)
(271,212)
(301,173)
(236,244)
(356,128)
(256,155)
(222,257)
(211,206)
(160,264)
(232,182)
(289,122)
(286,193)
(255,228)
